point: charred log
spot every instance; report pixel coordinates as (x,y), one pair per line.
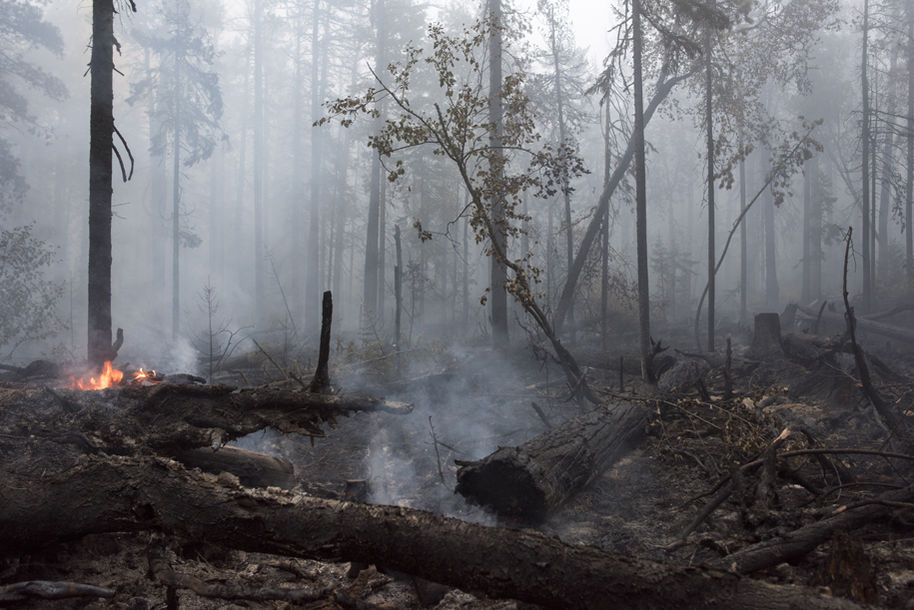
(532,479)
(103,494)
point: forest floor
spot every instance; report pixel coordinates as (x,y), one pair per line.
(470,400)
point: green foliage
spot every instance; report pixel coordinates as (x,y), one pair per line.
(27,309)
(454,122)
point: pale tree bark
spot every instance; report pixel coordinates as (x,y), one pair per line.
(312,265)
(259,251)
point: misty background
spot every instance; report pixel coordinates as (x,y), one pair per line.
(270,210)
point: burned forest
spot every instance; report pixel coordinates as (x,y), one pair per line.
(376,304)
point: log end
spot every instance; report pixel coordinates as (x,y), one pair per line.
(502,483)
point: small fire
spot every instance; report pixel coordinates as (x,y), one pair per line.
(141,376)
(109,376)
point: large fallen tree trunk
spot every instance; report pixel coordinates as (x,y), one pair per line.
(538,476)
(113,493)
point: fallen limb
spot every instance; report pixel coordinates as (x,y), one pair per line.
(46,589)
(799,542)
(103,494)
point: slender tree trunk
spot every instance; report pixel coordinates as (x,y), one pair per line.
(807,236)
(498,271)
(101,133)
(604,271)
(743,253)
(382,243)
(370,288)
(176,202)
(888,149)
(709,144)
(259,253)
(644,300)
(865,140)
(560,110)
(312,265)
(772,289)
(909,193)
(297,219)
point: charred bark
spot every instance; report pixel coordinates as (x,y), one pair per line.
(535,478)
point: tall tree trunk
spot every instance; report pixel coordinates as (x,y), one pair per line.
(807,235)
(743,247)
(370,288)
(298,248)
(888,148)
(312,264)
(865,140)
(909,193)
(259,253)
(604,271)
(498,270)
(176,202)
(644,300)
(101,133)
(772,289)
(560,110)
(709,144)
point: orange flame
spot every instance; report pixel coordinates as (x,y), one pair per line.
(142,375)
(109,377)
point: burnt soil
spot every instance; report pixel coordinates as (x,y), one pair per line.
(469,401)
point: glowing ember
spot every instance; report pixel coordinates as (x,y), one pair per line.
(109,377)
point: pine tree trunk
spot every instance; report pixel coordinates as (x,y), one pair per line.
(101,133)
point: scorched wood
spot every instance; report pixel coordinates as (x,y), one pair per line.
(534,478)
(113,493)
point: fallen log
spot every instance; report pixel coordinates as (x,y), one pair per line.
(535,478)
(172,417)
(114,493)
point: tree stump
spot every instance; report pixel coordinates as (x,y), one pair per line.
(766,342)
